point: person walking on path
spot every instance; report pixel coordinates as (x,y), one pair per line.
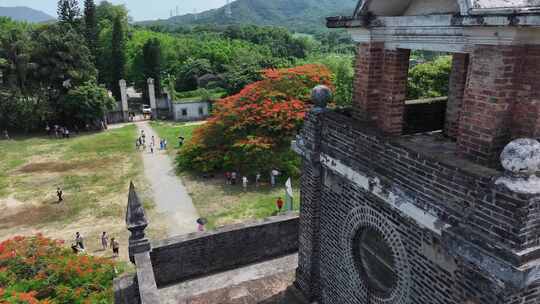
(79,240)
(228,177)
(244,182)
(115,247)
(164,144)
(60,194)
(152,147)
(104,240)
(279,204)
(233,177)
(273,176)
(257,179)
(6,135)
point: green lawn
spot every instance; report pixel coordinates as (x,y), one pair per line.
(223,204)
(171,131)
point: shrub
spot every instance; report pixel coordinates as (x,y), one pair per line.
(251,131)
(38,270)
(430,79)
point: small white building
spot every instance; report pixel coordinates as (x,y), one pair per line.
(190,110)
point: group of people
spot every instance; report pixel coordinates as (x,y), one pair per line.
(140,143)
(78,245)
(232,178)
(57,131)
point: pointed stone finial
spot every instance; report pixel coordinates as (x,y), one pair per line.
(136,223)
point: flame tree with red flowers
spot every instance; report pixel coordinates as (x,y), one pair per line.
(252,130)
(38,270)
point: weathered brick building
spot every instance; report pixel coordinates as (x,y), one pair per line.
(389,217)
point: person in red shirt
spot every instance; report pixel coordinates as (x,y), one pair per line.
(279,204)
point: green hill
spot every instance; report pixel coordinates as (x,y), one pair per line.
(306,16)
(22,13)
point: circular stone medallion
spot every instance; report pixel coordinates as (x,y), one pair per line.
(376,260)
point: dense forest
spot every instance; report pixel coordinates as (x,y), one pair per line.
(62,73)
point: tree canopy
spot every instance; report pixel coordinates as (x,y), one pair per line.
(251,131)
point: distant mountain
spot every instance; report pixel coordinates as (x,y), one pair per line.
(297,15)
(23,13)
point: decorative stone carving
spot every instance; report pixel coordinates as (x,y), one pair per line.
(521,160)
(321,95)
(136,223)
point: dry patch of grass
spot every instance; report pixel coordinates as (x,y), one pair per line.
(94,171)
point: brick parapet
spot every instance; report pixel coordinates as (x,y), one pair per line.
(183,257)
(455,191)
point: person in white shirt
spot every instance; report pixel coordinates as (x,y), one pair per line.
(245,182)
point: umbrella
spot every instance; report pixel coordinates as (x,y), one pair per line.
(202,221)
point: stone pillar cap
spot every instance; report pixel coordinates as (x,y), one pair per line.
(521,160)
(522,157)
(321,95)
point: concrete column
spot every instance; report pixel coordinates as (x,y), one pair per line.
(152,97)
(124,102)
(458,80)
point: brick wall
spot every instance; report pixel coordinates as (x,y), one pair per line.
(368,76)
(183,257)
(456,191)
(457,82)
(380,86)
(501,100)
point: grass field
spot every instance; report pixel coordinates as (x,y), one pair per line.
(93,170)
(171,131)
(222,204)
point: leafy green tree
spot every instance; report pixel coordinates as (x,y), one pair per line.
(87,103)
(68,11)
(118,60)
(343,80)
(430,79)
(190,71)
(152,62)
(63,61)
(91,26)
(15,48)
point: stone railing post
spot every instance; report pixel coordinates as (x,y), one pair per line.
(136,223)
(139,249)
(309,146)
(152,97)
(124,100)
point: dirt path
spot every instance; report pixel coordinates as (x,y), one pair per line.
(170,196)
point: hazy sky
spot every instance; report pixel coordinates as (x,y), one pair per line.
(138,9)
